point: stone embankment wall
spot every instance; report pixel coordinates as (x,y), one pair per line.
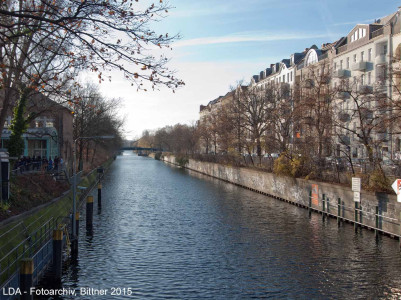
(297,191)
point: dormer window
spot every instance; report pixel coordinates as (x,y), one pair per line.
(358,34)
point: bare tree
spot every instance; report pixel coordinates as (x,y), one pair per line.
(43,44)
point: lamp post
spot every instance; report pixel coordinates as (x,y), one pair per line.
(74,183)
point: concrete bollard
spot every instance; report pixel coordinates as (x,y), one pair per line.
(99,196)
(89,212)
(57,253)
(26,278)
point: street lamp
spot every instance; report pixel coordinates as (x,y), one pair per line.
(74,181)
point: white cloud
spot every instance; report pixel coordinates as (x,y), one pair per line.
(246,38)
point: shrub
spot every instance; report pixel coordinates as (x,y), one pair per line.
(379,182)
(182,161)
(158,155)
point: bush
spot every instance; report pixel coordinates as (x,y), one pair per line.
(282,166)
(379,182)
(158,155)
(182,161)
(296,166)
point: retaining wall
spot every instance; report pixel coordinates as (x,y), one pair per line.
(297,191)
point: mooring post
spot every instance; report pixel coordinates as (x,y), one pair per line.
(26,278)
(338,210)
(324,205)
(328,206)
(399,237)
(310,203)
(57,253)
(89,212)
(356,216)
(99,195)
(76,224)
(377,221)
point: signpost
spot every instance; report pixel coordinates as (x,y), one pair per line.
(356,188)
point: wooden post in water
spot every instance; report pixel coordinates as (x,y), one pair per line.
(310,203)
(26,278)
(99,196)
(57,253)
(356,216)
(89,212)
(377,222)
(400,231)
(338,210)
(324,205)
(77,224)
(328,206)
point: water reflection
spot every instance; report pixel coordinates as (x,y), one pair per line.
(165,232)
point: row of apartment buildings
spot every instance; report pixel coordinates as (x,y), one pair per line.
(365,57)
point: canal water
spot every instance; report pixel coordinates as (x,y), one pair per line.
(165,232)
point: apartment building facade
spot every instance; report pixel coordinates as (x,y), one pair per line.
(367,62)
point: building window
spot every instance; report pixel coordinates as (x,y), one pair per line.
(385,49)
(347,62)
(291,76)
(283,78)
(362,79)
(288,77)
(362,55)
(369,78)
(370,54)
(341,64)
(354,58)
(335,66)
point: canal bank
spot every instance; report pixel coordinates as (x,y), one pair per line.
(376,211)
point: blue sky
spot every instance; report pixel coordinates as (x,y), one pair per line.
(226,41)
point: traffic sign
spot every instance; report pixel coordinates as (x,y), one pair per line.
(397,188)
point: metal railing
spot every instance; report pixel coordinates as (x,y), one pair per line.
(377,32)
(33,242)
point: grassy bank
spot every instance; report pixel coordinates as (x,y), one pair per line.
(21,231)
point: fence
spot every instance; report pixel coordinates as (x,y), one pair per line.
(37,245)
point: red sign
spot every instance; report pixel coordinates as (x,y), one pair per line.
(315,194)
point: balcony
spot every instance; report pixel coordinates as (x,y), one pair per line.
(365,89)
(344,139)
(343,95)
(381,87)
(342,49)
(344,117)
(380,60)
(308,84)
(377,33)
(341,73)
(359,66)
(383,136)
